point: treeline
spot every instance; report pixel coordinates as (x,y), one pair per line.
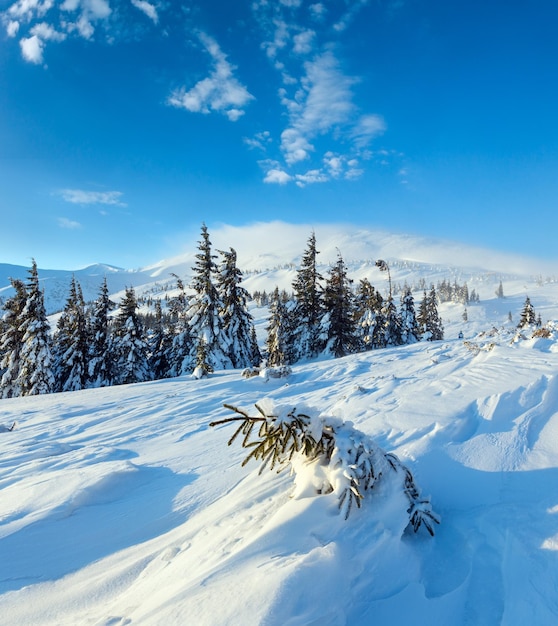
(333,317)
(208,328)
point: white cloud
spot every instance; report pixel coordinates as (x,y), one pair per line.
(11,28)
(295,145)
(325,101)
(64,222)
(260,140)
(45,32)
(147,8)
(311,177)
(32,49)
(277,176)
(80,196)
(29,9)
(304,42)
(350,15)
(317,11)
(90,11)
(220,91)
(367,127)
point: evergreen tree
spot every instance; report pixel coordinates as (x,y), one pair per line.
(393,331)
(339,319)
(160,345)
(70,350)
(309,304)
(179,352)
(422,317)
(410,332)
(367,305)
(500,291)
(429,321)
(35,376)
(101,369)
(279,344)
(11,340)
(130,346)
(528,316)
(238,323)
(205,322)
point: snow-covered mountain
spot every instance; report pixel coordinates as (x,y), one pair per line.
(269,253)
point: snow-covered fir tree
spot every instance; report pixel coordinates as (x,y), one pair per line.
(309,307)
(410,332)
(101,368)
(279,341)
(528,316)
(429,321)
(160,345)
(130,344)
(35,374)
(367,306)
(179,351)
(71,343)
(339,320)
(204,319)
(238,323)
(11,340)
(393,331)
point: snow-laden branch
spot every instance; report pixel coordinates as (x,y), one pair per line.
(343,460)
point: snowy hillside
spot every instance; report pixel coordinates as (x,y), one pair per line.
(122,506)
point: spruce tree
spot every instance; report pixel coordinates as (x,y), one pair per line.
(309,304)
(238,323)
(71,350)
(11,340)
(339,319)
(160,345)
(410,332)
(500,291)
(430,323)
(130,345)
(204,320)
(279,345)
(528,316)
(101,368)
(366,310)
(35,376)
(179,352)
(393,331)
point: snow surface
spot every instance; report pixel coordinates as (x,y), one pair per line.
(122,506)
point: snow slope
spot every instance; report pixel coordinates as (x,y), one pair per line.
(122,506)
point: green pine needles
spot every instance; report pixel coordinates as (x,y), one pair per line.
(341,459)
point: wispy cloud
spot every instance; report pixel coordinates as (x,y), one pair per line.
(64,222)
(323,102)
(317,94)
(149,9)
(81,196)
(220,91)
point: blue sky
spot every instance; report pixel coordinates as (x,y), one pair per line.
(124,125)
